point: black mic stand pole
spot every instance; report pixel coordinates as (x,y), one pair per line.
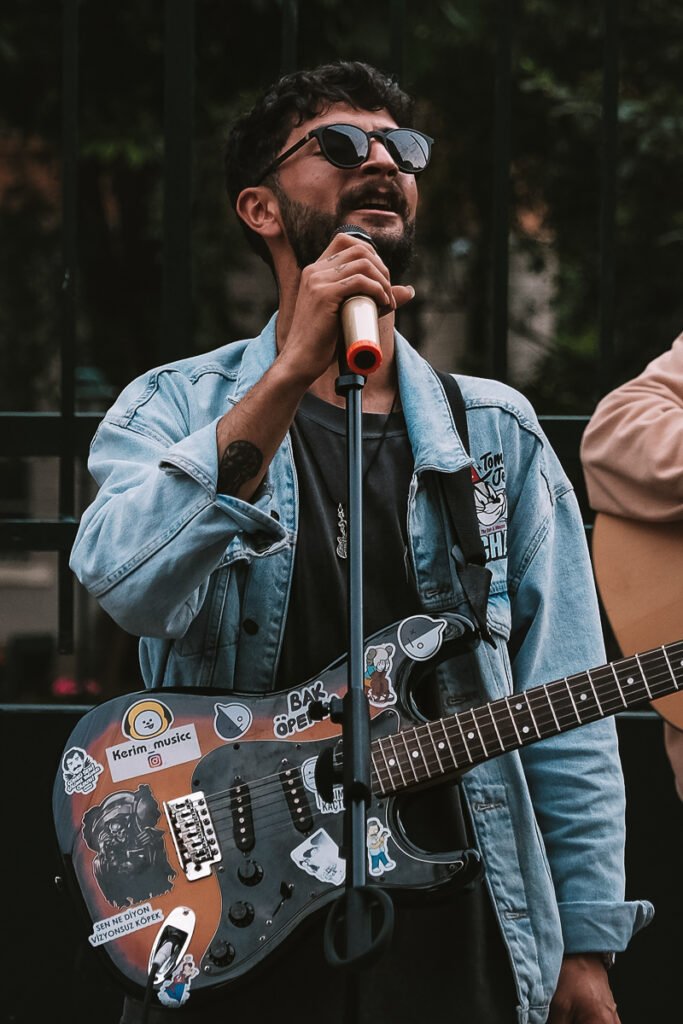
(359,900)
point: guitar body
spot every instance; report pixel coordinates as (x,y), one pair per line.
(639,573)
(195,815)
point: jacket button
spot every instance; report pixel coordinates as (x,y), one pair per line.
(250,627)
(275,515)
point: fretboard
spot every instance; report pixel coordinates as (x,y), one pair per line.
(451,745)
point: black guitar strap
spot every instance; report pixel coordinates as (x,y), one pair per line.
(469,554)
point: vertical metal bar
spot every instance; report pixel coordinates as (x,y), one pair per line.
(290,36)
(501,187)
(398,34)
(608,192)
(176,335)
(68,308)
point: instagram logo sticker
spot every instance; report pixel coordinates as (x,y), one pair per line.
(154,760)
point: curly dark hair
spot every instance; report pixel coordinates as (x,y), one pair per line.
(258,135)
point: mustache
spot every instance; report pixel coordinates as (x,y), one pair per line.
(367,194)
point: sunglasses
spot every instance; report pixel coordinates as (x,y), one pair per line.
(347,146)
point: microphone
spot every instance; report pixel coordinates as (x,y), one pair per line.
(360,321)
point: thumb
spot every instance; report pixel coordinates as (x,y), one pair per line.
(402,293)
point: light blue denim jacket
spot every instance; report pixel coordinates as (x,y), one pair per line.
(183,567)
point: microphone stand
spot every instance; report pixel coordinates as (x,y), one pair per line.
(354,909)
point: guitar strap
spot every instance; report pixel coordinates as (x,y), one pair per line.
(469,554)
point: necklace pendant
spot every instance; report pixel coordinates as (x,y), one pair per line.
(342,549)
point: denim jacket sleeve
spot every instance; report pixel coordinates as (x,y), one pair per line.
(575,779)
(157,529)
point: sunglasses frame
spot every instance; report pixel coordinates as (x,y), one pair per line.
(317,134)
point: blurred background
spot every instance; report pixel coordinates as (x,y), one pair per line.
(550,255)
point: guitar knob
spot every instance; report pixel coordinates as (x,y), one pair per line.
(221,953)
(250,873)
(241,913)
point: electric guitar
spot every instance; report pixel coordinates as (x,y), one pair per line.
(198,835)
(639,572)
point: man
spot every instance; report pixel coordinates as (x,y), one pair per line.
(215,532)
(632,455)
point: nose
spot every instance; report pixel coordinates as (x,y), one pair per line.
(379,160)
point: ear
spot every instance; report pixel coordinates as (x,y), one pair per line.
(260,211)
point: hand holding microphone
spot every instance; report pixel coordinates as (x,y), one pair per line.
(360,321)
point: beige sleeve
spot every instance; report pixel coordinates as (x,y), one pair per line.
(632,448)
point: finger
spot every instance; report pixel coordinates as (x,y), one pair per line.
(402,293)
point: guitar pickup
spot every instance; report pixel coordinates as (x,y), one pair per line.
(295,795)
(242,818)
(193,834)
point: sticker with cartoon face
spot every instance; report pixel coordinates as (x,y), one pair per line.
(319,856)
(420,636)
(130,863)
(145,719)
(308,775)
(80,771)
(377,683)
(232,720)
(491,504)
(175,991)
(377,840)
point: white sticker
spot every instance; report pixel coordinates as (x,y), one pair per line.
(308,774)
(319,856)
(143,757)
(81,771)
(378,838)
(175,991)
(420,636)
(131,920)
(231,720)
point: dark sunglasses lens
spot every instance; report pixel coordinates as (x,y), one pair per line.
(344,145)
(409,149)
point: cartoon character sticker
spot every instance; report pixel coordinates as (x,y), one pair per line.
(146,718)
(232,720)
(376,679)
(378,837)
(176,990)
(319,856)
(130,863)
(420,636)
(80,771)
(491,505)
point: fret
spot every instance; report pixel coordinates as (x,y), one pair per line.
(465,744)
(410,757)
(546,724)
(380,744)
(448,741)
(396,760)
(422,754)
(526,698)
(472,737)
(522,717)
(640,667)
(506,701)
(509,738)
(376,769)
(595,694)
(436,750)
(550,705)
(571,697)
(584,698)
(631,681)
(493,722)
(668,663)
(621,692)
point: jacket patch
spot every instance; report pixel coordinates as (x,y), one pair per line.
(491,504)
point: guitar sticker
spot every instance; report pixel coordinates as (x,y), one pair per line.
(232,720)
(308,775)
(378,837)
(131,920)
(377,683)
(80,771)
(175,746)
(146,718)
(298,701)
(420,636)
(319,856)
(130,863)
(491,504)
(176,991)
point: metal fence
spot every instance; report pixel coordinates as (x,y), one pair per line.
(66,434)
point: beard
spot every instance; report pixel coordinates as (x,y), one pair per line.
(310,231)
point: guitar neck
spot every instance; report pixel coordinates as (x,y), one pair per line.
(449,746)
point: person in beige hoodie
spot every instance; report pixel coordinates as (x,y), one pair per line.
(632,457)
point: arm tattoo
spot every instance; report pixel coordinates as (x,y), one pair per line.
(241,462)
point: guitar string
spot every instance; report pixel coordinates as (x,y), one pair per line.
(430,760)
